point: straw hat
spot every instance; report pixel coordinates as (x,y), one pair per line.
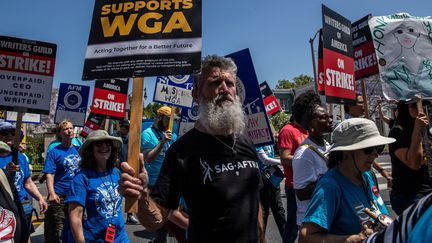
(357,133)
(100,135)
(164,111)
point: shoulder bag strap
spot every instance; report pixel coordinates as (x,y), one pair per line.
(316,151)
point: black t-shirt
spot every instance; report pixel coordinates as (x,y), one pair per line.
(220,186)
(12,220)
(406,180)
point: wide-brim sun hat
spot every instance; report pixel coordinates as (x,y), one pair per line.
(100,135)
(357,133)
(4,147)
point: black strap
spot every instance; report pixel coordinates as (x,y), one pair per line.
(316,151)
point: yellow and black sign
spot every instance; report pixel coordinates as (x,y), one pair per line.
(159,37)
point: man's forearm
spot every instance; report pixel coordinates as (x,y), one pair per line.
(153,153)
(32,189)
(50,183)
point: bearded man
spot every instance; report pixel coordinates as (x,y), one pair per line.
(213,167)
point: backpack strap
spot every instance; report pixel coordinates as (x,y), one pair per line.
(313,148)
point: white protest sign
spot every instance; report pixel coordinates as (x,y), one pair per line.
(26,74)
(174,90)
(403,45)
(11,116)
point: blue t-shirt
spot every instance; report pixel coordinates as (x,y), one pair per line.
(337,205)
(75,141)
(64,164)
(98,194)
(150,139)
(19,177)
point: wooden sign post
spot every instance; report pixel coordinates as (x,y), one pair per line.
(171,120)
(131,205)
(17,138)
(365,101)
(419,103)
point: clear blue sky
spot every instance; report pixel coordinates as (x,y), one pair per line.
(277,32)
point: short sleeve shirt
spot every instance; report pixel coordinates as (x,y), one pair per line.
(19,177)
(149,140)
(220,186)
(337,205)
(64,164)
(290,137)
(420,182)
(98,194)
(308,167)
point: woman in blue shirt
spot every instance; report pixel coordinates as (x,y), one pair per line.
(336,212)
(94,189)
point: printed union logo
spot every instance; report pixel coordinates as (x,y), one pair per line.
(193,112)
(179,79)
(72,100)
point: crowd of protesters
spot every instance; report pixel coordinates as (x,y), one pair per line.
(213,185)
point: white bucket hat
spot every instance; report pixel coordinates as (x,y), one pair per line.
(100,135)
(357,133)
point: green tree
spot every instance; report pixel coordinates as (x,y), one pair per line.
(150,110)
(284,84)
(279,120)
(302,80)
(298,81)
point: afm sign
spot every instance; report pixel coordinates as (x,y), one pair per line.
(176,21)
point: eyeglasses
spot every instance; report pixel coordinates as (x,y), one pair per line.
(107,142)
(370,150)
(7,132)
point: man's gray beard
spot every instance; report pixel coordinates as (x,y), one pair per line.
(224,119)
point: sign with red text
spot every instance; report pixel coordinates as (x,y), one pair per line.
(109,98)
(26,74)
(365,62)
(156,37)
(270,102)
(93,122)
(338,58)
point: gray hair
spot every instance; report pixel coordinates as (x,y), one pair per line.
(211,61)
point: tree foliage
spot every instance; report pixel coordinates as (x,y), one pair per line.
(150,110)
(298,81)
(279,120)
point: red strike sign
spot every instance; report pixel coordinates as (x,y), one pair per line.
(271,105)
(339,75)
(109,103)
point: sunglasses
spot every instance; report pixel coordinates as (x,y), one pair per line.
(7,132)
(107,142)
(370,150)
